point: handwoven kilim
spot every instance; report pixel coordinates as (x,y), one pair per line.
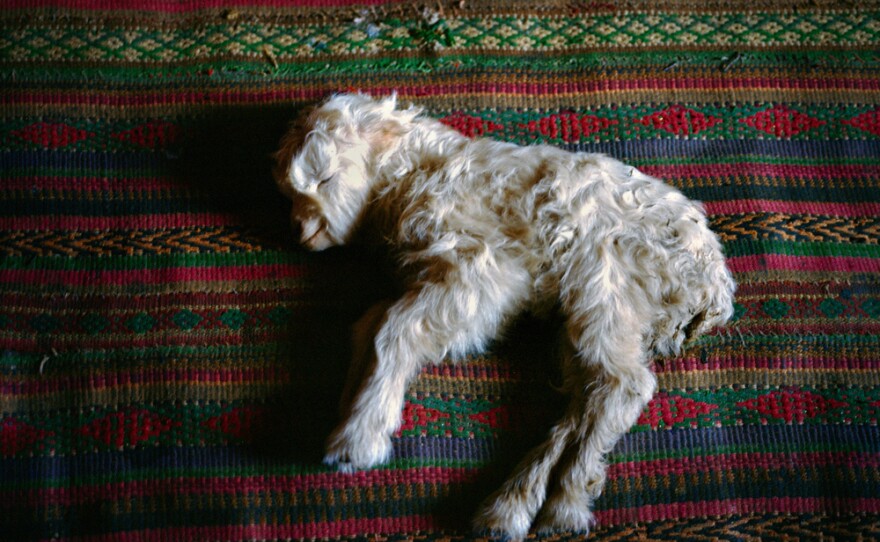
(170,361)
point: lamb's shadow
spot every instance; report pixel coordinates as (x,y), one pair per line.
(225,159)
(306,410)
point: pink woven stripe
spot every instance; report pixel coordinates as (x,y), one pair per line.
(714,170)
(430,475)
(70,342)
(67,496)
(412,91)
(404,524)
(120,222)
(784,262)
(129,379)
(76,496)
(184,220)
(671,171)
(165,275)
(92,183)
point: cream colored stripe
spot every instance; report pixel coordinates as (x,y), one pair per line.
(164,392)
(439,31)
(169,391)
(818,378)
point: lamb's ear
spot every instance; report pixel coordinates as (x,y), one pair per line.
(387,125)
(291,142)
(388,104)
(384,136)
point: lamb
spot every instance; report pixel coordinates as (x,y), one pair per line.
(483,230)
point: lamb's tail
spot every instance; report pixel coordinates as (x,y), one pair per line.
(718,307)
(713,308)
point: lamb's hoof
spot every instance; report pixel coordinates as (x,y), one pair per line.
(558,517)
(350,454)
(503,517)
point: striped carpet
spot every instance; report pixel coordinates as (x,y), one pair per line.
(170,361)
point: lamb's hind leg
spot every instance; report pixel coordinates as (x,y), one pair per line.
(607,333)
(603,406)
(510,510)
(614,402)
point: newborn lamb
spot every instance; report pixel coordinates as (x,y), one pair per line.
(483,230)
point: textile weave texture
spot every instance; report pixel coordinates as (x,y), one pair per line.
(170,361)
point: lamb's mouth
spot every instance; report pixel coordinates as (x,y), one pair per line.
(308,241)
(316,237)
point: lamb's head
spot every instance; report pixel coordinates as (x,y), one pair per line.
(328,165)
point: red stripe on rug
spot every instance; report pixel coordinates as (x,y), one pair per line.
(738,169)
(199,301)
(666,171)
(120,222)
(73,342)
(450,89)
(802,326)
(184,220)
(152,276)
(784,262)
(76,496)
(756,362)
(84,184)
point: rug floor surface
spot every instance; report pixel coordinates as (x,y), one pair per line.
(170,361)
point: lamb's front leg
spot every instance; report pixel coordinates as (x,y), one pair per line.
(418,329)
(459,312)
(398,351)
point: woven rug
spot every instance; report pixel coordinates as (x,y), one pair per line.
(170,361)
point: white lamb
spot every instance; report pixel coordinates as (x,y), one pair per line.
(483,230)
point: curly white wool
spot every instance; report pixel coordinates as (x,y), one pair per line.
(484,230)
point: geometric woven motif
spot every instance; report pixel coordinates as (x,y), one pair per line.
(171,362)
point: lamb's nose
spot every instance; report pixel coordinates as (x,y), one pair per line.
(303,211)
(296,226)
